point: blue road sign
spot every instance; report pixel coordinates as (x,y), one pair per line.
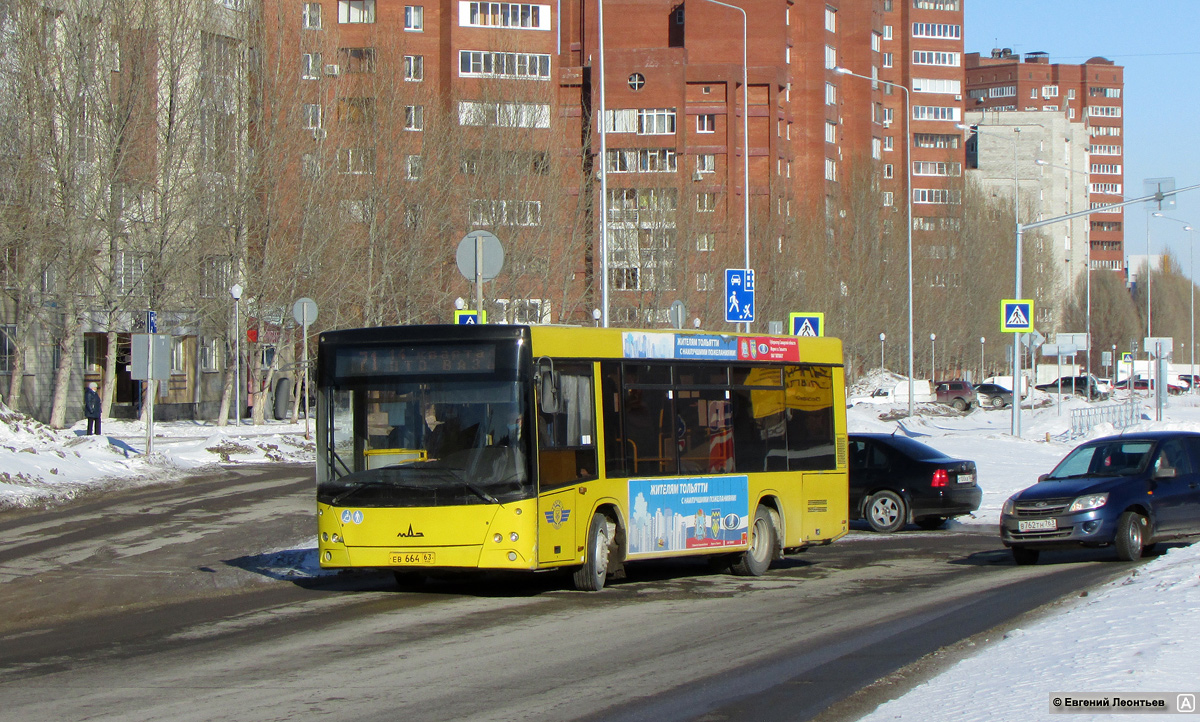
(152,322)
(470,318)
(1016,315)
(739,295)
(807,324)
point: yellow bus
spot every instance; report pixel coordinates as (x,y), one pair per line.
(544,447)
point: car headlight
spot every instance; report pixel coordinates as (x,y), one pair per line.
(1007,509)
(1091,501)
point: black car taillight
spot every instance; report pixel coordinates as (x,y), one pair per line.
(940,478)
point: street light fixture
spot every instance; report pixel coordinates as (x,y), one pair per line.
(882,339)
(909,193)
(1192,288)
(236,291)
(982,363)
(1088,261)
(933,357)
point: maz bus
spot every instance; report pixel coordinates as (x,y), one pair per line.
(542,447)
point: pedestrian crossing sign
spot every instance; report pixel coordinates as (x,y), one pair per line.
(470,318)
(807,324)
(1016,315)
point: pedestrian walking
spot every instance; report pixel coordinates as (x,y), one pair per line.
(91,408)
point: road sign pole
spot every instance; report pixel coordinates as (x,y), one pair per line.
(304,372)
(150,398)
(478,273)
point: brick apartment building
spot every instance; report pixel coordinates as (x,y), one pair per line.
(673,118)
(1089,93)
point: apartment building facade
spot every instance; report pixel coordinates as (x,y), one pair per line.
(1089,93)
(679,130)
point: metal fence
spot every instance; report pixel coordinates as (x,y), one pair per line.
(1119,415)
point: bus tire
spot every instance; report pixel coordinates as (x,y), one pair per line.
(755,561)
(591,576)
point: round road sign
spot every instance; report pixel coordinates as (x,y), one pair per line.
(492,252)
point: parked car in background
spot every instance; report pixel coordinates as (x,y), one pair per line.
(1140,384)
(958,394)
(897,394)
(895,480)
(1083,385)
(993,396)
(1128,492)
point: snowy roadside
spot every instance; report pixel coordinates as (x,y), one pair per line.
(41,466)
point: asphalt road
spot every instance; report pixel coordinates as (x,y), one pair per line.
(179,603)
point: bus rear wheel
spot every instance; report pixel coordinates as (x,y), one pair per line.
(591,576)
(755,561)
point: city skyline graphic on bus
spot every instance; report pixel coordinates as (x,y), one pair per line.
(672,515)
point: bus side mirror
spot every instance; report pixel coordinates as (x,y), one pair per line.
(547,386)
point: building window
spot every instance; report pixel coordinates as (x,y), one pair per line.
(889,142)
(357,60)
(414,68)
(485,64)
(876,41)
(356,161)
(1049,91)
(887,32)
(706,242)
(312,16)
(310,66)
(706,202)
(637,81)
(1106,168)
(940,196)
(312,116)
(414,117)
(932,112)
(1070,94)
(830,169)
(503,115)
(356,11)
(938,168)
(359,111)
(830,94)
(830,57)
(210,356)
(215,276)
(936,140)
(887,170)
(128,272)
(876,148)
(414,18)
(505,15)
(930,57)
(937,85)
(830,19)
(706,163)
(644,160)
(656,121)
(412,167)
(1103,111)
(706,123)
(936,30)
(887,199)
(951,5)
(887,60)
(310,166)
(486,212)
(830,131)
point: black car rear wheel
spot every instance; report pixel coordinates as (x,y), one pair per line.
(998,402)
(1024,556)
(1131,531)
(886,512)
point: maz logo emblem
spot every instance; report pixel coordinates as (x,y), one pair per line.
(410,534)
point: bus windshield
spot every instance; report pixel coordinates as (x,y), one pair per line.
(429,443)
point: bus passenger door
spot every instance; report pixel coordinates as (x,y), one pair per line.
(557,513)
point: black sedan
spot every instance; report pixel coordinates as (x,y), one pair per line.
(895,480)
(992,396)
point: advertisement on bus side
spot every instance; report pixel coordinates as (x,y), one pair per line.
(686,514)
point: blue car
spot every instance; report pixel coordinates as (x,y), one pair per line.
(1128,492)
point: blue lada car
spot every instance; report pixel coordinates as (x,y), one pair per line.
(1128,492)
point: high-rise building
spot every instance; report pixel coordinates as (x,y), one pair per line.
(1088,93)
(484,80)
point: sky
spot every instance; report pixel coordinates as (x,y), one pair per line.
(1158,44)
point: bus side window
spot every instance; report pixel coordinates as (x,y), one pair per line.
(567,438)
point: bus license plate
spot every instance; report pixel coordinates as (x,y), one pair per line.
(413,558)
(1038,525)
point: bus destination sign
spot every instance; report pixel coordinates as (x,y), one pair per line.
(415,360)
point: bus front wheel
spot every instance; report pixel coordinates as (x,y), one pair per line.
(755,560)
(591,576)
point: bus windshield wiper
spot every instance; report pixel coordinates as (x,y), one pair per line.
(479,492)
(358,486)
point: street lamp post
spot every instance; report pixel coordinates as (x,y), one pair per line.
(236,292)
(982,365)
(745,135)
(933,358)
(603,173)
(1192,292)
(908,192)
(882,339)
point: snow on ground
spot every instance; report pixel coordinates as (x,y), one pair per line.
(1140,634)
(40,466)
